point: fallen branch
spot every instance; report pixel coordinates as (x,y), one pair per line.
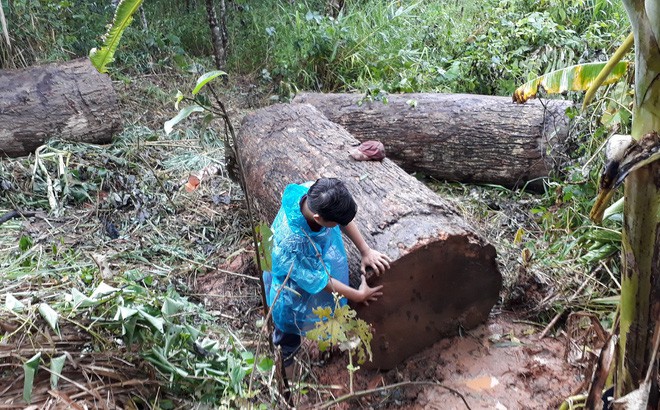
(389,387)
(15,214)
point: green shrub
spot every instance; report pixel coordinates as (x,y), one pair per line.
(51,30)
(485,48)
(56,30)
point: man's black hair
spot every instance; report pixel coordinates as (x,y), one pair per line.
(330,198)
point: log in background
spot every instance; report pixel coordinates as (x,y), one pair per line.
(457,137)
(69,100)
(444,276)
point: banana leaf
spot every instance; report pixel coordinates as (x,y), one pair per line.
(574,78)
(102,57)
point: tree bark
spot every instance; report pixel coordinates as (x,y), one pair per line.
(457,137)
(219,52)
(224,35)
(443,276)
(69,100)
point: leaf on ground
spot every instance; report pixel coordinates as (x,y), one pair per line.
(30,369)
(56,366)
(156,322)
(81,300)
(50,315)
(102,290)
(13,304)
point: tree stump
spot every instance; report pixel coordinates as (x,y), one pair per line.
(444,275)
(457,137)
(69,100)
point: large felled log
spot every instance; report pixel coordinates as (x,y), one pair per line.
(444,275)
(70,100)
(456,137)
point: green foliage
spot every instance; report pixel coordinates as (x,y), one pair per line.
(198,103)
(24,243)
(30,370)
(167,330)
(265,246)
(184,113)
(177,38)
(205,79)
(482,47)
(486,47)
(51,30)
(340,327)
(102,57)
(56,366)
(54,30)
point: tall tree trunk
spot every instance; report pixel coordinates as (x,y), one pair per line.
(640,282)
(219,52)
(223,27)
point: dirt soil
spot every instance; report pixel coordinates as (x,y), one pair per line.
(502,364)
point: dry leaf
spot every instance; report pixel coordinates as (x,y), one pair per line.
(192,184)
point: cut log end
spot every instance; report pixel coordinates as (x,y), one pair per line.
(429,294)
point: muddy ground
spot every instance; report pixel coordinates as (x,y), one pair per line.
(499,365)
(506,363)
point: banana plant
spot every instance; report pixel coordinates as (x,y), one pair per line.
(635,366)
(632,368)
(102,57)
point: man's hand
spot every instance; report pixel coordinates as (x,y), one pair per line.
(377,261)
(368,294)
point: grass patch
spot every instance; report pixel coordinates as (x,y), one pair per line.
(106,269)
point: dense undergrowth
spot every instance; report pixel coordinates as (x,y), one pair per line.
(553,258)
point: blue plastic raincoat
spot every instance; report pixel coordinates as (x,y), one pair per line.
(293,245)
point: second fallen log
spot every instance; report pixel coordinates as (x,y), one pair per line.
(70,100)
(457,137)
(443,276)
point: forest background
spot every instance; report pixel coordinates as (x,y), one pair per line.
(271,49)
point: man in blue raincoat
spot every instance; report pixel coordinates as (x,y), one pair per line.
(309,260)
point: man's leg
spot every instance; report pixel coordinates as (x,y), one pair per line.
(289,344)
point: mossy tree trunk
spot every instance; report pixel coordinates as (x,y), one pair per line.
(640,282)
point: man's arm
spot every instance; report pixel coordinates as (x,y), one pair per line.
(377,261)
(364,294)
